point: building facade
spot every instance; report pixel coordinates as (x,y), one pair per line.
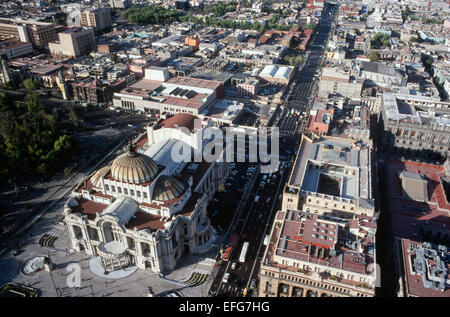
(415,124)
(99,19)
(37,33)
(73,43)
(10,49)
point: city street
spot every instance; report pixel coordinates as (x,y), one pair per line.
(306,82)
(252,226)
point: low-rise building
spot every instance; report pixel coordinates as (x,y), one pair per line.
(10,49)
(382,75)
(339,83)
(174,95)
(277,73)
(323,238)
(249,87)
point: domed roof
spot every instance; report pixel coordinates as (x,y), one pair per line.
(132,167)
(167,187)
(98,175)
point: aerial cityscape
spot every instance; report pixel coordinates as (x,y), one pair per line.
(224,149)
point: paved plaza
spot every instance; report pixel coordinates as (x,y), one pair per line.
(54,283)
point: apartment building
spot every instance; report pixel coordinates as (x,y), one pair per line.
(99,18)
(73,43)
(415,124)
(39,34)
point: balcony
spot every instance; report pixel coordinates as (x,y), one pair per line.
(203,225)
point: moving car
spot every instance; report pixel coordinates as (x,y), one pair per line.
(226,277)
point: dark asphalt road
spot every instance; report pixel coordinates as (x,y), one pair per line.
(305,85)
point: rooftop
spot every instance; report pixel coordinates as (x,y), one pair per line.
(408,217)
(333,163)
(407,108)
(321,240)
(426,269)
(194,82)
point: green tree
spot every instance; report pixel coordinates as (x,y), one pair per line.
(374,56)
(295,60)
(379,41)
(33,102)
(31,84)
(74,118)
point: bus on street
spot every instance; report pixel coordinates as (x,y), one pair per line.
(243,252)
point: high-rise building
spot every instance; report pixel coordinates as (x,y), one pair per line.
(99,19)
(37,33)
(73,43)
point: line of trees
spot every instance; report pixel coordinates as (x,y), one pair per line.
(152,14)
(156,14)
(243,25)
(31,141)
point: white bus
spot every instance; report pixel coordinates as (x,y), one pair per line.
(243,252)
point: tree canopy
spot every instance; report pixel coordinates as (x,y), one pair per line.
(380,40)
(152,14)
(31,143)
(374,56)
(295,60)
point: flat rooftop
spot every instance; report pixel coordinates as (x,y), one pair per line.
(333,162)
(408,216)
(316,239)
(223,110)
(426,271)
(402,107)
(194,82)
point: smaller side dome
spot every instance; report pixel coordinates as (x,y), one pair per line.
(96,179)
(167,187)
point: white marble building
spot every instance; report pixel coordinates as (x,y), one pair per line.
(146,209)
